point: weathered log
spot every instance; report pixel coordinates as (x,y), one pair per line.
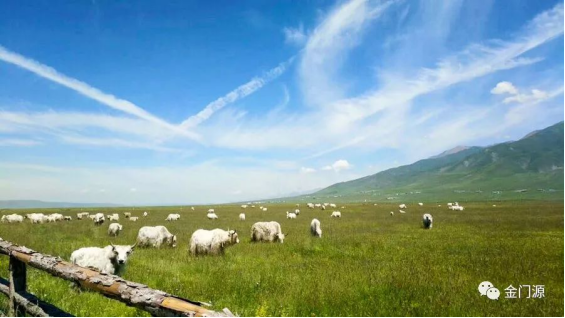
(31,304)
(18,285)
(156,302)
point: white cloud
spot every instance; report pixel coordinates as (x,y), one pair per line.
(295,36)
(87,90)
(338,166)
(19,142)
(536,95)
(305,170)
(133,190)
(242,91)
(504,88)
(327,46)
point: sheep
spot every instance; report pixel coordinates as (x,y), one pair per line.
(212,216)
(127,215)
(155,236)
(264,209)
(391,212)
(36,218)
(323,207)
(133,218)
(173,217)
(267,232)
(420,204)
(332,205)
(242,216)
(290,215)
(192,208)
(211,211)
(244,206)
(336,214)
(82,215)
(114,217)
(297,211)
(310,205)
(315,228)
(297,205)
(12,218)
(68,218)
(92,217)
(109,260)
(427,220)
(449,204)
(98,219)
(114,229)
(145,214)
(54,217)
(402,211)
(213,242)
(317,205)
(402,206)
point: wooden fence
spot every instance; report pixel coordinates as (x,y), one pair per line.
(156,302)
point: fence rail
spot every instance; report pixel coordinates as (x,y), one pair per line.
(156,302)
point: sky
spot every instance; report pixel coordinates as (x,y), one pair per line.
(179,102)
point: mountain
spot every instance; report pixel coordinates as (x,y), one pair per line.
(36,204)
(531,167)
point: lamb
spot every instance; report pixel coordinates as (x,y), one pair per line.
(133,218)
(212,216)
(267,232)
(428,221)
(315,228)
(213,242)
(114,229)
(155,236)
(114,217)
(242,216)
(290,215)
(402,206)
(336,214)
(109,260)
(173,217)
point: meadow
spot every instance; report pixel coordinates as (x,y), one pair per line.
(367,263)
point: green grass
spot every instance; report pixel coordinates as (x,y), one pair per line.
(367,264)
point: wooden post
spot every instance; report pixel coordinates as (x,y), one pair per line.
(18,285)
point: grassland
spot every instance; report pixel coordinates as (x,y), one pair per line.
(368,263)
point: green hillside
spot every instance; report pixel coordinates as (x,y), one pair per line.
(530,168)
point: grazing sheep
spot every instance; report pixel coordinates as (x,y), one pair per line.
(212,216)
(92,216)
(332,205)
(127,215)
(192,208)
(37,218)
(68,218)
(449,204)
(297,211)
(12,218)
(110,259)
(310,205)
(315,228)
(323,207)
(267,232)
(428,221)
(402,206)
(114,229)
(244,206)
(82,215)
(494,205)
(264,209)
(242,216)
(401,211)
(155,236)
(133,218)
(317,205)
(173,217)
(336,214)
(114,217)
(98,219)
(205,242)
(420,204)
(290,215)
(145,214)
(391,213)
(211,211)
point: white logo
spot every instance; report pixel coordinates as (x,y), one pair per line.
(484,286)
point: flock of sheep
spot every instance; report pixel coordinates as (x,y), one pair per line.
(112,258)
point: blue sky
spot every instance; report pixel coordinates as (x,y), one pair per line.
(178,102)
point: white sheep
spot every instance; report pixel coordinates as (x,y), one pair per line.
(242,216)
(145,214)
(420,204)
(155,236)
(192,208)
(427,220)
(336,214)
(297,211)
(127,215)
(402,206)
(267,232)
(98,219)
(114,217)
(290,215)
(68,218)
(211,211)
(133,218)
(264,209)
(82,215)
(173,217)
(391,212)
(12,218)
(212,216)
(110,259)
(315,228)
(310,205)
(402,211)
(244,206)
(114,229)
(212,242)
(332,205)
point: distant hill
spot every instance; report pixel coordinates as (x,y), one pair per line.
(532,165)
(36,204)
